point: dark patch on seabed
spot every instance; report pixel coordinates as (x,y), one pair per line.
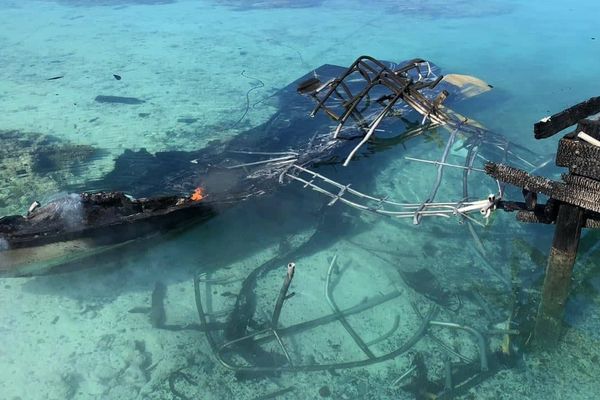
(243,5)
(118,100)
(95,3)
(27,158)
(445,9)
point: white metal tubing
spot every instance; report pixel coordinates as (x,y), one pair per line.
(587,138)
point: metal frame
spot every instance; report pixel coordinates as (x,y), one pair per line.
(225,352)
(339,98)
(275,333)
(398,84)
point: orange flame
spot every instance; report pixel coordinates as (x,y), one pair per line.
(198,194)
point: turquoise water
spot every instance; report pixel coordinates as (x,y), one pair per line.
(210,70)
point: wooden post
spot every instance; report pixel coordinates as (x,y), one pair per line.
(557,283)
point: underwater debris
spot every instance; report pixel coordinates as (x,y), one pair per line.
(187,120)
(425,283)
(178,375)
(223,352)
(276,393)
(573,204)
(78,226)
(456,378)
(158,316)
(259,84)
(286,149)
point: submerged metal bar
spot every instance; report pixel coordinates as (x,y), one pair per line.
(423,209)
(440,342)
(387,334)
(277,335)
(404,375)
(290,158)
(336,82)
(291,268)
(283,348)
(440,173)
(371,130)
(341,365)
(444,164)
(202,316)
(328,295)
(480,340)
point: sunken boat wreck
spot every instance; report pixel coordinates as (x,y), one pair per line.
(374,106)
(329,126)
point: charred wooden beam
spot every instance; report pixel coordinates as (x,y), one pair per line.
(574,203)
(590,126)
(519,178)
(581,158)
(562,120)
(576,190)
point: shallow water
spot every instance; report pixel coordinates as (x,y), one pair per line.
(206,71)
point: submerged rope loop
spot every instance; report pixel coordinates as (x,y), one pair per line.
(258,86)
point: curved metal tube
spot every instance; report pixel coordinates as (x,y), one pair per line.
(480,340)
(349,364)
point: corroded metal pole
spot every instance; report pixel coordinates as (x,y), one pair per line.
(557,282)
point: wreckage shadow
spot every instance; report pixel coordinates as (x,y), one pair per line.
(239,234)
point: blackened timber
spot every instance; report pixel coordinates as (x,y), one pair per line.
(557,282)
(581,158)
(520,178)
(534,217)
(581,196)
(590,126)
(562,120)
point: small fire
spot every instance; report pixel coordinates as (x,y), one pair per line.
(198,194)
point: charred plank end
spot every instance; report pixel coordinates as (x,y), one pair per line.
(520,178)
(562,120)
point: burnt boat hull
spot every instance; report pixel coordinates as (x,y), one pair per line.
(49,238)
(246,166)
(80,226)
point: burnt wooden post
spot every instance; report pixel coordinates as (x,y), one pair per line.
(574,203)
(557,282)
